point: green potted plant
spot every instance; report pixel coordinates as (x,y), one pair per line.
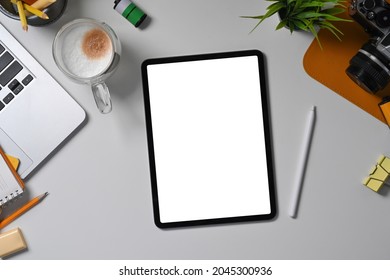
(307,15)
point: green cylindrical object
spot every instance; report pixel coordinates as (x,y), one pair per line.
(130,11)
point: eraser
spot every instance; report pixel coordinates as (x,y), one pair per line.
(11,242)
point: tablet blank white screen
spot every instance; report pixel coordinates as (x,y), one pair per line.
(208,138)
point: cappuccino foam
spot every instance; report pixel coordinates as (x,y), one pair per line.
(87,51)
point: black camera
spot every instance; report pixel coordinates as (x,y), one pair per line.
(370,67)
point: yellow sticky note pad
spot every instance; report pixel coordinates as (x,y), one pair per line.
(379,174)
(373,184)
(385,163)
(14,161)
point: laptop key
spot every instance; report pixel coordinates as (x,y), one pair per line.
(13,84)
(5,60)
(10,73)
(1,105)
(1,48)
(18,89)
(8,98)
(27,80)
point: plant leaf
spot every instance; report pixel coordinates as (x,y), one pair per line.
(303,25)
(332,31)
(281,24)
(314,32)
(312,4)
(334,11)
(326,24)
(252,17)
(271,10)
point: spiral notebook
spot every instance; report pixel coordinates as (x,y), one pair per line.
(11,185)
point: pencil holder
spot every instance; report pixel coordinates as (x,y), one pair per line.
(54,12)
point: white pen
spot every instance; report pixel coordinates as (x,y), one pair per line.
(296,192)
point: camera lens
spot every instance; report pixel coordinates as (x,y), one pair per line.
(369,4)
(368,69)
(383,18)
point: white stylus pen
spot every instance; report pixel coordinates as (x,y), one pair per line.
(296,192)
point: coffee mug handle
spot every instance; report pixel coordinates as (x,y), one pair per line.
(102,97)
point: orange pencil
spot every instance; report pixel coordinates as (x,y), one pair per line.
(22,210)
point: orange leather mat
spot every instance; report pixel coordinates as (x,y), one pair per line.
(328,65)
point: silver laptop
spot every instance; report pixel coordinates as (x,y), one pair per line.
(36,113)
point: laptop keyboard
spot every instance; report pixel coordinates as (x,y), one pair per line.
(13,77)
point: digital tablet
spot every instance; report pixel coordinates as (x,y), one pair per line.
(209,142)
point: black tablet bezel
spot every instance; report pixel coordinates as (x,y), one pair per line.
(267,136)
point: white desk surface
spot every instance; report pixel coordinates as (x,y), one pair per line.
(100,204)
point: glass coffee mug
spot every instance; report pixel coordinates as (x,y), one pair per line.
(88,51)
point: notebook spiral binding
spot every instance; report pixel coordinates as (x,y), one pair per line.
(11,197)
